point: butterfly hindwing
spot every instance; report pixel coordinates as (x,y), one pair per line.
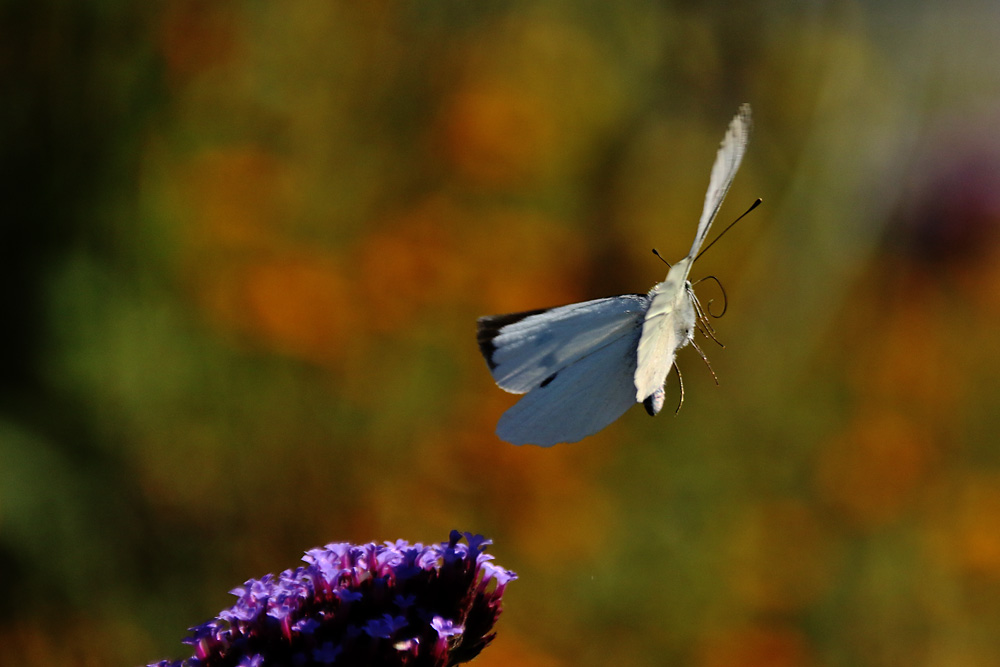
(579,400)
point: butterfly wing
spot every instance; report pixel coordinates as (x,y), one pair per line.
(580,400)
(576,364)
(727,162)
(524,349)
(668,326)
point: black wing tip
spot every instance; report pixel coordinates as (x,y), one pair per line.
(489,327)
(485,333)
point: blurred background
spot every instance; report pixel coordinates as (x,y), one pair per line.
(244,245)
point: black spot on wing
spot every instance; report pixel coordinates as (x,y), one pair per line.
(547,380)
(490,326)
(648,404)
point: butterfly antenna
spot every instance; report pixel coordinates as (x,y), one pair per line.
(705,359)
(680,402)
(725,299)
(705,249)
(657,253)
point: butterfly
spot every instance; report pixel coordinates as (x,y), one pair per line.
(581,366)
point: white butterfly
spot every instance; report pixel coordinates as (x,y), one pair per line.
(583,365)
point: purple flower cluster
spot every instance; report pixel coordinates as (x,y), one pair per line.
(378,605)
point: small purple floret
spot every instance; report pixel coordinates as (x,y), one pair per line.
(345,595)
(445,628)
(386,627)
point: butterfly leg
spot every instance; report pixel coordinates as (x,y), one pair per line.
(705,359)
(681,381)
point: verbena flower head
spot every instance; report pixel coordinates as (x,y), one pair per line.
(390,604)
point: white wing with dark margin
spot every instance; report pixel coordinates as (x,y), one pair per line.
(575,363)
(524,349)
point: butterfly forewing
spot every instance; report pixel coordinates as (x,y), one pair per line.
(727,162)
(524,350)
